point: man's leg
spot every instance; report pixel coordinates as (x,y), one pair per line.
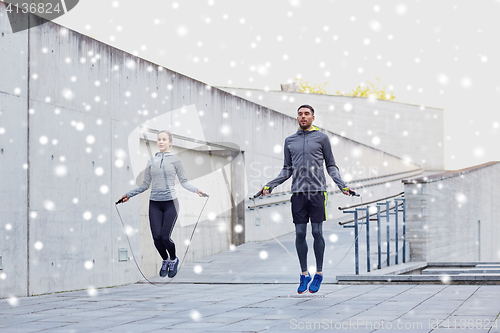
(317,209)
(301,245)
(300,215)
(319,245)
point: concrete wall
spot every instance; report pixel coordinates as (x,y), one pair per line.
(78,102)
(13,158)
(411,132)
(443,211)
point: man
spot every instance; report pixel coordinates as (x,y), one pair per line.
(305,152)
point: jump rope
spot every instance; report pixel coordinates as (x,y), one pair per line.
(351,192)
(128,239)
(187,248)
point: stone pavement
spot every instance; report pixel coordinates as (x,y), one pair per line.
(237,291)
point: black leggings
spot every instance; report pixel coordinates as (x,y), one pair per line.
(162,218)
(301,244)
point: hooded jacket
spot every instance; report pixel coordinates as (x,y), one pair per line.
(305,152)
(160,174)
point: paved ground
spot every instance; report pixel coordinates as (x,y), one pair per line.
(236,291)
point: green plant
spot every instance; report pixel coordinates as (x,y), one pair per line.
(371,91)
(306,88)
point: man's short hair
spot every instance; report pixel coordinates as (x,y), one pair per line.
(307,107)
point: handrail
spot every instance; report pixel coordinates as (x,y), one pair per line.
(366,179)
(449,174)
(367,203)
(382,210)
(367,216)
(329,192)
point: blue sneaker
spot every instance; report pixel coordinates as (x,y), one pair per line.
(164,267)
(172,267)
(314,287)
(304,281)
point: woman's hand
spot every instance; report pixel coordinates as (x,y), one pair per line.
(124,198)
(201,194)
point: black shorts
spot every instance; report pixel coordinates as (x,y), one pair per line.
(309,205)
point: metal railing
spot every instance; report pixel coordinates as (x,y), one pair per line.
(397,202)
(354,185)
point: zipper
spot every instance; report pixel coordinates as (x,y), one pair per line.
(164,174)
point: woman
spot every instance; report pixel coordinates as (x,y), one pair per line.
(163,204)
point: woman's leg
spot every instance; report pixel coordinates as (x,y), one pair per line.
(301,244)
(169,218)
(155,222)
(319,244)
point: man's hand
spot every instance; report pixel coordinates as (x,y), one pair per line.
(347,191)
(265,190)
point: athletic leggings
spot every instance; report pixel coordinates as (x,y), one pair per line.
(162,218)
(301,244)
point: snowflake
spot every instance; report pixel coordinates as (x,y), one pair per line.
(443,79)
(182,31)
(195,315)
(61,171)
(91,291)
(13,301)
(49,205)
(263,255)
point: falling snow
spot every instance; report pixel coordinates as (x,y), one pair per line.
(13,301)
(263,255)
(91,291)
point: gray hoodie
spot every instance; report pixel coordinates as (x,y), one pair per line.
(161,171)
(305,152)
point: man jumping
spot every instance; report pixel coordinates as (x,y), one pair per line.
(305,152)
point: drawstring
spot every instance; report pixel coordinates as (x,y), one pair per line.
(161,160)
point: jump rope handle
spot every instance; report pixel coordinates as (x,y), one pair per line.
(351,192)
(205,195)
(258,194)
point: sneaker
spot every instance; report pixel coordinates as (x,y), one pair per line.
(304,281)
(172,267)
(164,268)
(314,287)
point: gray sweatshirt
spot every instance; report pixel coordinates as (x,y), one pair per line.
(160,172)
(305,152)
